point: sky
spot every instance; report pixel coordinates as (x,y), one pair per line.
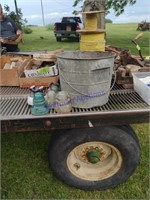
(54,10)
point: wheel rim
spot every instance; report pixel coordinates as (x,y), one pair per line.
(94,161)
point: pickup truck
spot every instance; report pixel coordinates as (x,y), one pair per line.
(91,148)
(67,28)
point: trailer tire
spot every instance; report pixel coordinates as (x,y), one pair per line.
(130,130)
(58,39)
(116,151)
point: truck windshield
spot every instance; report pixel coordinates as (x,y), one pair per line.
(71,19)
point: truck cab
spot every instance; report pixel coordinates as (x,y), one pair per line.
(67,28)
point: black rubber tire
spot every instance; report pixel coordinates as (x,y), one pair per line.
(130,130)
(78,39)
(58,39)
(121,137)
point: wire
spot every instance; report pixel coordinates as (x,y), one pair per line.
(62,4)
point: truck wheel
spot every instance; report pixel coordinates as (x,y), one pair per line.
(78,39)
(94,158)
(58,39)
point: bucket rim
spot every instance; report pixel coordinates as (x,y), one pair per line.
(109,55)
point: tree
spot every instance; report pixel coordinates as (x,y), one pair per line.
(108,21)
(17,17)
(117,6)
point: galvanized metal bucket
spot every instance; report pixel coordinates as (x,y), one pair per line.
(86,76)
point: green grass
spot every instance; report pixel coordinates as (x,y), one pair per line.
(26,165)
(25,172)
(118,35)
(33,42)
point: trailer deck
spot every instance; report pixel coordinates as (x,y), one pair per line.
(125,106)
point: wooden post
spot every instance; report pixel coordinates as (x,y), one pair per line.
(101,17)
(95,5)
(16,8)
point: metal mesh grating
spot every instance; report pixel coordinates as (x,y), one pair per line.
(14,104)
(25,91)
(14,91)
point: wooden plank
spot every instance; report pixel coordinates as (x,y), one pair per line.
(144,69)
(91,31)
(121,72)
(132,68)
(127,86)
(92,12)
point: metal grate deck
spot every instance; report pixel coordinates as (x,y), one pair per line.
(14,104)
(17,91)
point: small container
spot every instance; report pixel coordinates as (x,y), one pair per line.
(55,87)
(63,109)
(140,87)
(30,100)
(62,102)
(62,96)
(50,97)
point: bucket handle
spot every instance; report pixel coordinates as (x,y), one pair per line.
(115,76)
